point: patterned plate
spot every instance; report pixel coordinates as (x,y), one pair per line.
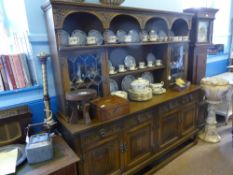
(63,37)
(129,61)
(126,82)
(148,76)
(113,85)
(97,35)
(80,35)
(121,36)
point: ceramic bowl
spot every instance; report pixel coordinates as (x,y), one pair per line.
(157,85)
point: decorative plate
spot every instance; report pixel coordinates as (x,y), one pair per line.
(134,35)
(121,36)
(129,61)
(63,37)
(113,85)
(150,57)
(148,76)
(80,35)
(97,35)
(126,82)
(21,152)
(107,34)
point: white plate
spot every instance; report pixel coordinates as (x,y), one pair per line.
(129,61)
(160,91)
(113,85)
(148,76)
(126,82)
(134,35)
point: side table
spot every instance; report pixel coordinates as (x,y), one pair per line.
(63,163)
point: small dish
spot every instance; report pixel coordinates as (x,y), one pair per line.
(148,76)
(113,85)
(126,82)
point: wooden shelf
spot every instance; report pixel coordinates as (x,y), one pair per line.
(75,48)
(136,71)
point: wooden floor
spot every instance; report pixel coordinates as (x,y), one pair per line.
(204,158)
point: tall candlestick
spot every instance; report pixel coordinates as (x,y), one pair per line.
(43,59)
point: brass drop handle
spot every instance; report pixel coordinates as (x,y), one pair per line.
(102,132)
(122,148)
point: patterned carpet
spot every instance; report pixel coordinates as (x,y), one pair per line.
(204,158)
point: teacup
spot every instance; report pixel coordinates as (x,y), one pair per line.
(121,68)
(73,40)
(91,40)
(158,62)
(150,64)
(112,70)
(112,39)
(132,67)
(157,85)
(141,65)
(128,38)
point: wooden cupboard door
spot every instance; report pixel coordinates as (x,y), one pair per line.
(104,158)
(138,144)
(168,128)
(188,118)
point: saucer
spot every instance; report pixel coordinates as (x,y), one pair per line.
(158,92)
(122,70)
(112,72)
(142,67)
(133,68)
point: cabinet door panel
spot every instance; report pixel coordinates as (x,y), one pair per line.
(188,118)
(139,144)
(104,158)
(168,129)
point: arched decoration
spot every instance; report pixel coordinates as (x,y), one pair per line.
(83,21)
(180,27)
(124,22)
(158,24)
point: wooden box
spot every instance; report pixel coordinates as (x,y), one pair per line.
(109,107)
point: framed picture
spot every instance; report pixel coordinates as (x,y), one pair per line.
(202,31)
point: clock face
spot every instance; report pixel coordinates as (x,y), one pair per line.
(202,33)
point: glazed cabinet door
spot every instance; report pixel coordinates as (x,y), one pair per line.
(169,128)
(138,139)
(102,151)
(188,118)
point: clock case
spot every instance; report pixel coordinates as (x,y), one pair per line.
(198,49)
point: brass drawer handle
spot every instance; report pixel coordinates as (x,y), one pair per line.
(102,132)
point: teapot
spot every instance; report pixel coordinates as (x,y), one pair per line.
(139,84)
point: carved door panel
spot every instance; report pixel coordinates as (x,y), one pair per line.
(188,118)
(104,157)
(168,128)
(138,143)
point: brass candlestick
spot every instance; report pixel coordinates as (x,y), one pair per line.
(48,113)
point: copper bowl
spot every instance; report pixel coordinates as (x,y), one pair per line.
(112,2)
